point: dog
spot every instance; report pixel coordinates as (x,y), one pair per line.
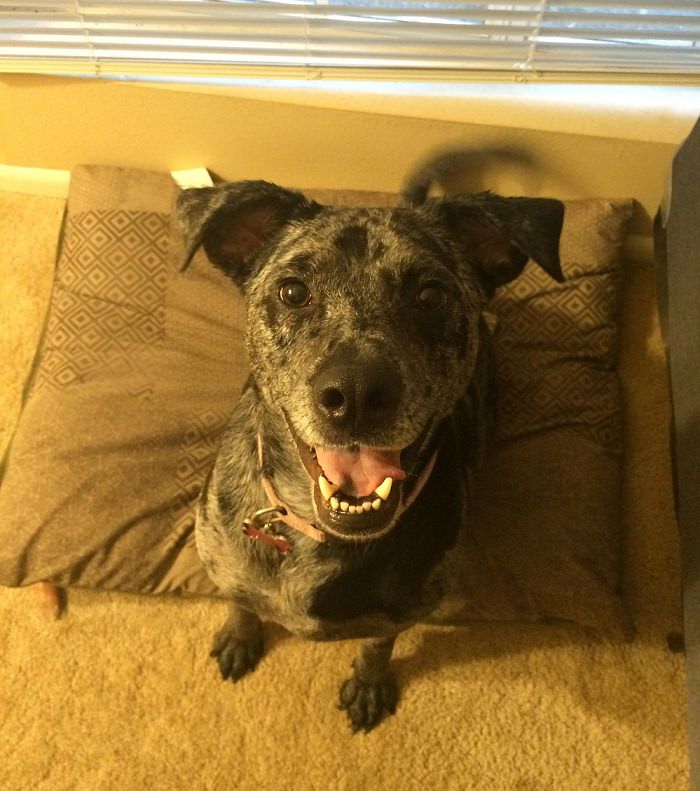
(340,484)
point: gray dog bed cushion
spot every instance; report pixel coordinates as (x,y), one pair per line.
(140,366)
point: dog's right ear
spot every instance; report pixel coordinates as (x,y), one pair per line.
(232,222)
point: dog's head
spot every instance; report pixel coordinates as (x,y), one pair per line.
(363,324)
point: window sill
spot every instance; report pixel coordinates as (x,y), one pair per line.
(662,114)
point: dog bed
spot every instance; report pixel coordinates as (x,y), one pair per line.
(140,365)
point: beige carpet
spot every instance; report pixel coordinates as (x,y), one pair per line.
(121,694)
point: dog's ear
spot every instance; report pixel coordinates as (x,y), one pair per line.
(501,234)
(233,221)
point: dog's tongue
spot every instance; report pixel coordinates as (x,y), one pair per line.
(359,473)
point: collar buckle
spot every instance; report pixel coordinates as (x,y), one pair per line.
(260,526)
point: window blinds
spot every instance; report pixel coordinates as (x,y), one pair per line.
(419,39)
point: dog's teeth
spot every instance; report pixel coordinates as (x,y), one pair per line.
(384,489)
(367,505)
(344,506)
(376,504)
(335,503)
(352,509)
(327,488)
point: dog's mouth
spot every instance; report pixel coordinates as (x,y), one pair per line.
(359,491)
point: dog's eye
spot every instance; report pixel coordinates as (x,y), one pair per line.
(295,294)
(432,296)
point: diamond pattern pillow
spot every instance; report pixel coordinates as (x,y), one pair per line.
(140,367)
(109,297)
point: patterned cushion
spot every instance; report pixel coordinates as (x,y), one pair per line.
(140,367)
(136,376)
(555,345)
(109,298)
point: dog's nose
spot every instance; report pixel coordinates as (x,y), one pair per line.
(358,396)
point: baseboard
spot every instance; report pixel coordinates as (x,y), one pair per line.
(34,181)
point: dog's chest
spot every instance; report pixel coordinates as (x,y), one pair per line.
(313,592)
(287,597)
(339,589)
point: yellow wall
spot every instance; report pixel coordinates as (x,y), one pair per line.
(58,123)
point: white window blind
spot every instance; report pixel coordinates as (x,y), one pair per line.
(419,39)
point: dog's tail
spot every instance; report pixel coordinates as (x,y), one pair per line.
(441,168)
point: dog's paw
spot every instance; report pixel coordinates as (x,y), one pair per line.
(367,702)
(236,655)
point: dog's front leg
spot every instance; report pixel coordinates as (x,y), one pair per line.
(238,645)
(371,692)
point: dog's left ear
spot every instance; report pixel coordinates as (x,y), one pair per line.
(234,221)
(501,234)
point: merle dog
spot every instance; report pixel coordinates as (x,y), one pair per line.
(339,487)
